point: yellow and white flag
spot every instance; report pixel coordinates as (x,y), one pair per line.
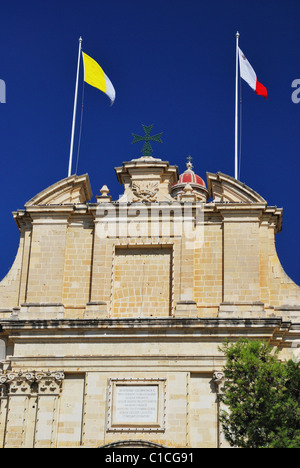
(95,76)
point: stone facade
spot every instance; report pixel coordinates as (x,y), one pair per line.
(119,301)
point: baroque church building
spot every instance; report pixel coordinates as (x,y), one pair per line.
(113,312)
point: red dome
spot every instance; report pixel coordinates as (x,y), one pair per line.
(189,177)
(197,185)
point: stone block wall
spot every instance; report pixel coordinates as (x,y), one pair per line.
(77,268)
(142,283)
(66,269)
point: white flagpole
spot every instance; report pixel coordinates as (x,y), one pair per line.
(236,105)
(74,110)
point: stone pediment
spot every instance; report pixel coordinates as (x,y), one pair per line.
(72,190)
(225,189)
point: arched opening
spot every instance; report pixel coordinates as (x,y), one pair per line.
(132,444)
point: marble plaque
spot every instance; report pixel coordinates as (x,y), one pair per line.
(136,404)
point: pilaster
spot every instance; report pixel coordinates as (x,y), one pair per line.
(29,408)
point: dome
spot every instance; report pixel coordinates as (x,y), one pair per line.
(193,180)
(189,177)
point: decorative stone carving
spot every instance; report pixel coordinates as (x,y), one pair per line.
(218,378)
(145,191)
(146,180)
(21,382)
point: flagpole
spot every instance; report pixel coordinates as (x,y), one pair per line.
(74,110)
(236,105)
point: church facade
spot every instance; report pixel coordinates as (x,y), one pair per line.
(113,312)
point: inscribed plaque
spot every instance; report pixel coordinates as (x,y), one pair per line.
(136,404)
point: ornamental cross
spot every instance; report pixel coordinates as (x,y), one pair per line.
(189,164)
(147,148)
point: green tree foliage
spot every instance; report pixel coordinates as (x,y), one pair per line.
(261,395)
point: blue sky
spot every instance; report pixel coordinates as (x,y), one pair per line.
(173,65)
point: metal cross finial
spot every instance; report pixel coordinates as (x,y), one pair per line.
(189,164)
(147,149)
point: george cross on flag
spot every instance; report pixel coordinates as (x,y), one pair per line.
(249,75)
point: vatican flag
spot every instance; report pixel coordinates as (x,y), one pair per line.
(95,76)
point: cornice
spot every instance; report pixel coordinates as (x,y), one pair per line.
(148,323)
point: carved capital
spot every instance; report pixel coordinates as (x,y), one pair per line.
(218,378)
(21,383)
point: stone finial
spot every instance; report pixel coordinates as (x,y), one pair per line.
(104,198)
(104,191)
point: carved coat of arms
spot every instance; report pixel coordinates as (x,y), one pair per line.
(145,191)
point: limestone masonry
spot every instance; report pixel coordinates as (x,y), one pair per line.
(112,313)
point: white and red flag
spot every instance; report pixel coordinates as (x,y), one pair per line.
(249,75)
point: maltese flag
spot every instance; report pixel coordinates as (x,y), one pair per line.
(249,75)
